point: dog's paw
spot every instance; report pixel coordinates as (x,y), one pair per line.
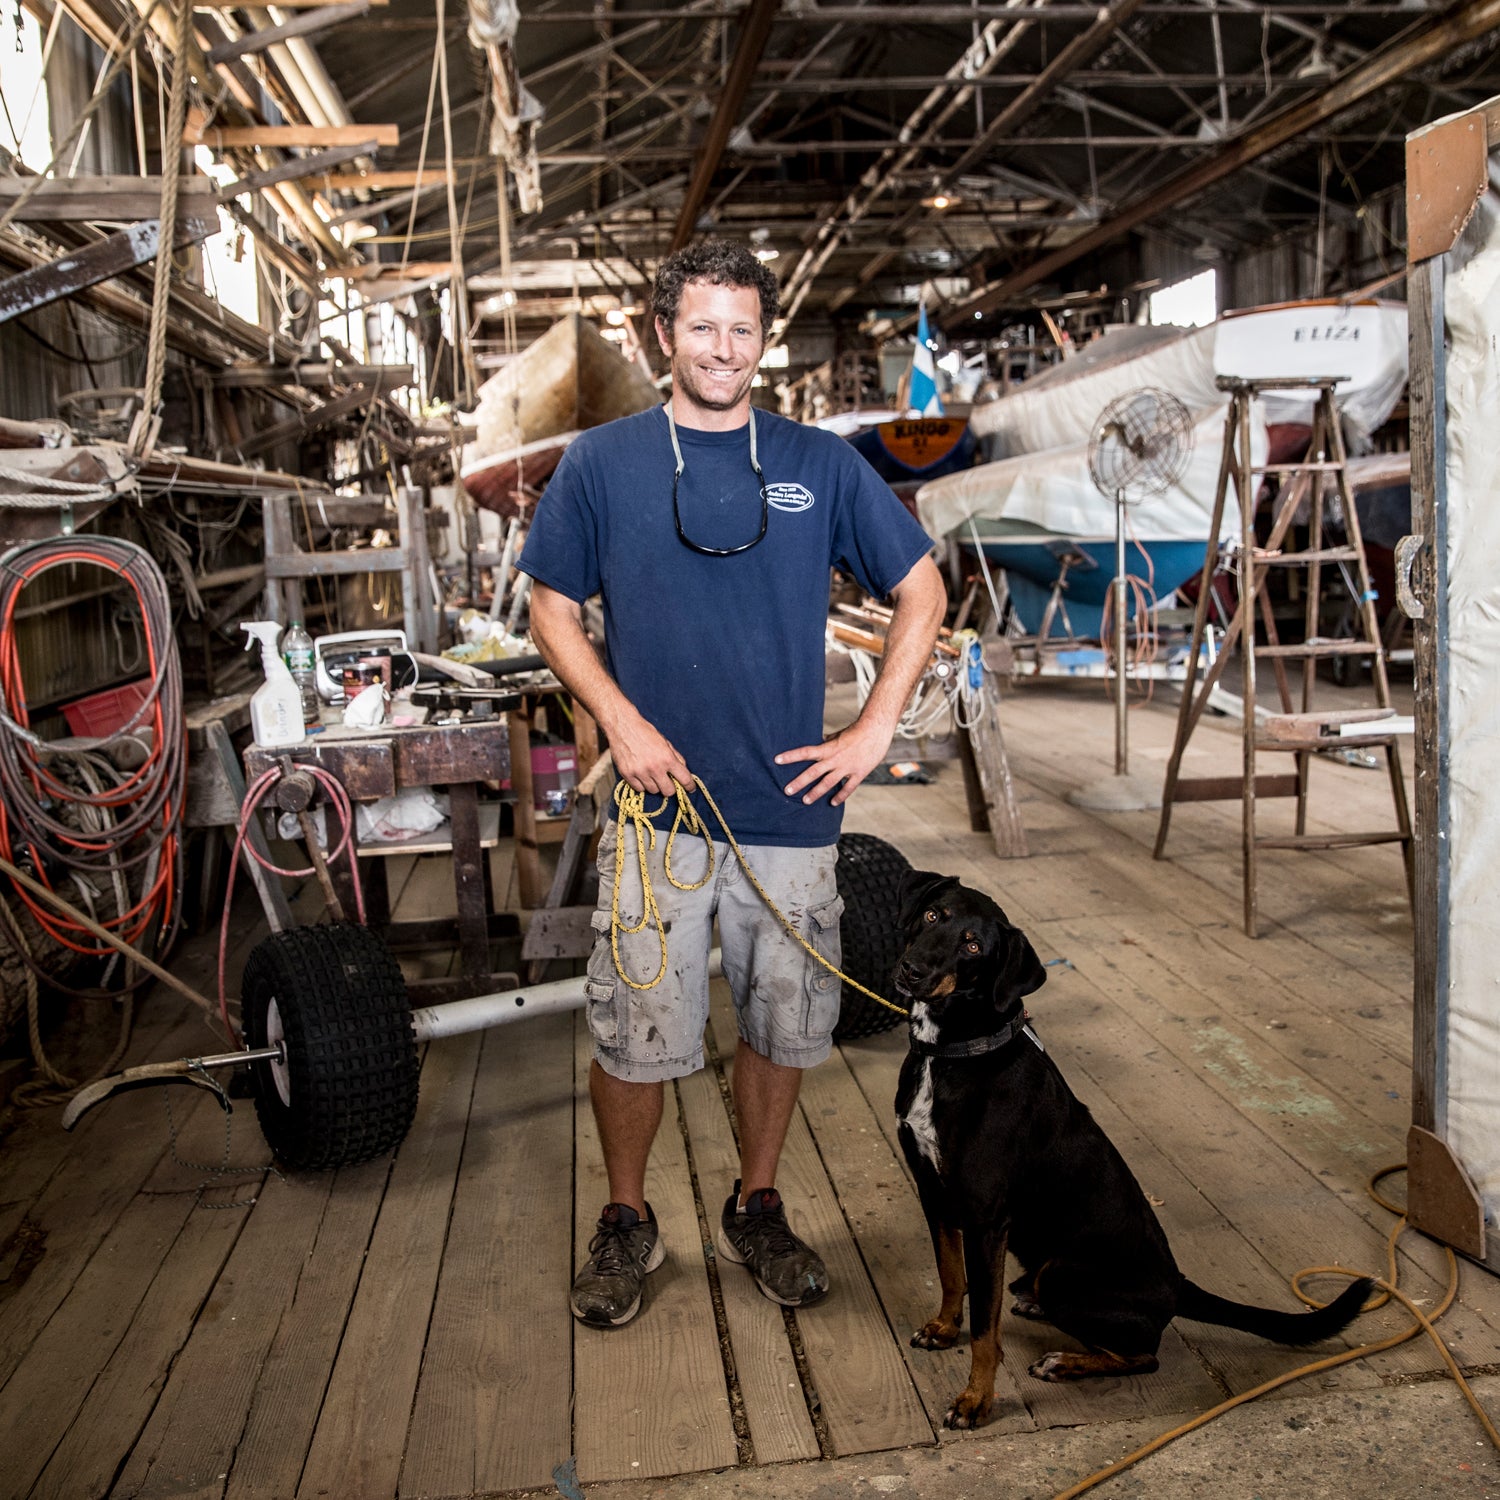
(1028,1307)
(968,1410)
(935,1334)
(1054,1366)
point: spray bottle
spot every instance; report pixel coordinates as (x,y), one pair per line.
(275,706)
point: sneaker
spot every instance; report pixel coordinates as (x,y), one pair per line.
(758,1238)
(607,1291)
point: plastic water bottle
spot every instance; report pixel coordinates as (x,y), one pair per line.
(297,650)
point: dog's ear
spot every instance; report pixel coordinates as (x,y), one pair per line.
(917,891)
(1022,973)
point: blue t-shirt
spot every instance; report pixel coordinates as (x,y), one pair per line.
(724,655)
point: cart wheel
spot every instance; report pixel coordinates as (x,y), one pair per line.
(348,1088)
(869,875)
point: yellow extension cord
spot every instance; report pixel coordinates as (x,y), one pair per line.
(1388,1290)
(632,807)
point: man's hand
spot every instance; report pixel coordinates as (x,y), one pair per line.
(842,761)
(642,753)
(645,757)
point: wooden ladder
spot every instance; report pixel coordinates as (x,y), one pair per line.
(1296,730)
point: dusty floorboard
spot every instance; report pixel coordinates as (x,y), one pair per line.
(400,1328)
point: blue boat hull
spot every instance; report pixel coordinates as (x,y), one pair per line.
(1032,568)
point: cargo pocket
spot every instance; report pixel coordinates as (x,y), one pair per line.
(820,1010)
(601,989)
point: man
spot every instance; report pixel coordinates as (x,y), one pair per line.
(708,531)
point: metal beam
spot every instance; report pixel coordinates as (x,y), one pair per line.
(1074,55)
(1417,47)
(317,376)
(877,83)
(983,54)
(962,15)
(116,199)
(754,35)
(71,273)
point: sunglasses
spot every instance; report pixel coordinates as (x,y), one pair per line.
(765,504)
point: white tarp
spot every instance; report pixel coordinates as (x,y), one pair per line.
(1055,491)
(1472,741)
(1365,343)
(1059,409)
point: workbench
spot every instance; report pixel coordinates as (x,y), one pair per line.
(461,757)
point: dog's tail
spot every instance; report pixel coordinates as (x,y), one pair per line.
(1295,1329)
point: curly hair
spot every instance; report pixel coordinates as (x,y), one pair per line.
(721,262)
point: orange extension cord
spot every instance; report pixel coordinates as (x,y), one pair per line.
(122,823)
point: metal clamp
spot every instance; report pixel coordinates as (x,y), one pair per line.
(1407,550)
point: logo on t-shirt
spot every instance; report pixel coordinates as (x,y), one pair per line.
(789,496)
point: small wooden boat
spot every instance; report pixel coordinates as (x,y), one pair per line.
(570,379)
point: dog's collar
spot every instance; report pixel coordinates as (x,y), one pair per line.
(979,1045)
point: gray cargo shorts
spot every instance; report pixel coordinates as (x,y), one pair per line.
(785,1002)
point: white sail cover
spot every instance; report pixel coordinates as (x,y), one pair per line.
(1054,491)
(1366,343)
(1469,1044)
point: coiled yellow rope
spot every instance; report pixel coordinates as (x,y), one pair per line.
(632,810)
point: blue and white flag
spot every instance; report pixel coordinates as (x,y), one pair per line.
(923,396)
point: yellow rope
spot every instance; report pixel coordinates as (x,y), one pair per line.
(632,808)
(1388,1289)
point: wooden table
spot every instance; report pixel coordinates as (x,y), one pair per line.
(372,765)
(458,757)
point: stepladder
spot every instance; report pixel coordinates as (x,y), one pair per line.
(1314,538)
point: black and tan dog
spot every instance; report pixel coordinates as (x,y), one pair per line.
(1002,1149)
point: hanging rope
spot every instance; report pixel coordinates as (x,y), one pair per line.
(171,173)
(126,49)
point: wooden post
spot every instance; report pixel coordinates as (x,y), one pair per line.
(528,863)
(986,750)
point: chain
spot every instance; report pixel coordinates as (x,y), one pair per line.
(224,1168)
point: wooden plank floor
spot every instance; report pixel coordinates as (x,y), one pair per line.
(168,1328)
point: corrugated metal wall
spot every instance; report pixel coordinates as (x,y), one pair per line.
(50,361)
(1357,251)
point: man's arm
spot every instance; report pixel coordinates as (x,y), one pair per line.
(850,755)
(643,756)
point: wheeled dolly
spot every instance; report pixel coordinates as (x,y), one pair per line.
(331,1038)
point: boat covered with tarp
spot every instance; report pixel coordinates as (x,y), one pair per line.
(1034,508)
(570,379)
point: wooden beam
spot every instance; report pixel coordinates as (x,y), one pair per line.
(309,21)
(291,135)
(78,269)
(305,422)
(413,270)
(755,32)
(398,177)
(297,169)
(304,272)
(118,198)
(1379,69)
(313,377)
(266,4)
